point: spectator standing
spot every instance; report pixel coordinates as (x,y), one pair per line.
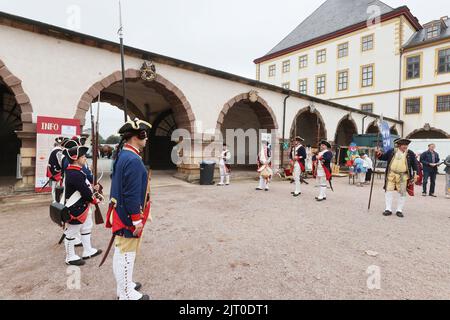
(430,161)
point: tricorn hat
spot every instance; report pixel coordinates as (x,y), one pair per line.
(135,126)
(402,141)
(71,143)
(300,139)
(326,143)
(75,153)
(59,140)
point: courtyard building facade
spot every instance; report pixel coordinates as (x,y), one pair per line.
(51,71)
(369,56)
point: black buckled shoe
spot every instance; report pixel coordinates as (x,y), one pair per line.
(138,286)
(78,263)
(324,199)
(296,194)
(99,252)
(400,214)
(145,297)
(387,213)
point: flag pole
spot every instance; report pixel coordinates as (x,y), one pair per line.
(122,57)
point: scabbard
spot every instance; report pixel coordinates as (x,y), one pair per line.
(108,249)
(62,239)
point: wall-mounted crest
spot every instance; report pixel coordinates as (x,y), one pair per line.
(253,96)
(148,71)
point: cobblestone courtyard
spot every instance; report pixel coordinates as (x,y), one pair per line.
(237,243)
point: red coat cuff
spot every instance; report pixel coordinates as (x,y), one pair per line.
(136,217)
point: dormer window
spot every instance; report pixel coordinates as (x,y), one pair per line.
(433,31)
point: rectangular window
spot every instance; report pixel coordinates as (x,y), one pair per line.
(272,70)
(367,107)
(303,61)
(321,56)
(413,67)
(286,66)
(444,61)
(433,31)
(343,50)
(342,80)
(303,86)
(367,76)
(443,103)
(321,84)
(412,106)
(286,85)
(367,43)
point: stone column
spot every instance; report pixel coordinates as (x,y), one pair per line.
(28,157)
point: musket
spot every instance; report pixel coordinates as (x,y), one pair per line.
(122,59)
(94,133)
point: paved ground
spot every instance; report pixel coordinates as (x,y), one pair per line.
(237,243)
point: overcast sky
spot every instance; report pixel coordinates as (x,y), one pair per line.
(226,35)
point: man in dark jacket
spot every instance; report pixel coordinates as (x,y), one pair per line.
(401,169)
(430,161)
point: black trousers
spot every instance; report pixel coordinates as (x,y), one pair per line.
(432,176)
(369,175)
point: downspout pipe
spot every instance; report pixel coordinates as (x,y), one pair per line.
(363,123)
(400,89)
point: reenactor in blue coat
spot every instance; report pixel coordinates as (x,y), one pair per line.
(298,157)
(71,143)
(54,167)
(78,196)
(322,169)
(128,213)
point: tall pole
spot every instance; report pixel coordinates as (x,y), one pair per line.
(122,56)
(374,167)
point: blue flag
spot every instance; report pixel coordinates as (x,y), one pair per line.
(386,135)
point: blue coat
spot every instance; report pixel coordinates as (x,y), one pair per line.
(128,188)
(76,180)
(426,158)
(85,169)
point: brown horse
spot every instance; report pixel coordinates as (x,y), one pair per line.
(105,151)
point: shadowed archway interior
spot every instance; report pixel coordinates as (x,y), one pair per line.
(241,113)
(310,126)
(345,131)
(159,102)
(10,122)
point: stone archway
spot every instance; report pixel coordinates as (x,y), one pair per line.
(428,133)
(310,126)
(394,130)
(180,106)
(345,130)
(373,128)
(146,100)
(25,130)
(245,112)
